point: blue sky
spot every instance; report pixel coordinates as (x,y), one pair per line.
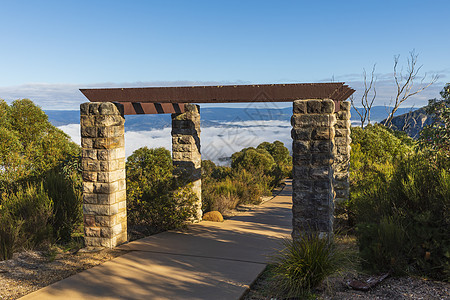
(49,49)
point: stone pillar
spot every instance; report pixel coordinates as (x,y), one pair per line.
(342,159)
(103,163)
(313,154)
(186,155)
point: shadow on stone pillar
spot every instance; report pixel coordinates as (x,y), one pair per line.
(186,154)
(342,160)
(103,163)
(313,150)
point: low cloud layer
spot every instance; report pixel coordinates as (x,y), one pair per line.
(68,96)
(216,142)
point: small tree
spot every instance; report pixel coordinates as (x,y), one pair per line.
(436,137)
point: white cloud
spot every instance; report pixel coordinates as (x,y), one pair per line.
(68,96)
(216,142)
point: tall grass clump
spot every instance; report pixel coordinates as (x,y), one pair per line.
(304,264)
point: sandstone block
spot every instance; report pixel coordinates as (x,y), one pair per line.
(300,107)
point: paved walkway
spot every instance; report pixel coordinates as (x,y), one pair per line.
(208,261)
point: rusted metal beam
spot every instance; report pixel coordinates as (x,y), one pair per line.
(139,108)
(222,94)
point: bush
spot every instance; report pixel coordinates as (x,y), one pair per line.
(25,218)
(375,153)
(253,174)
(66,194)
(302,265)
(155,198)
(403,225)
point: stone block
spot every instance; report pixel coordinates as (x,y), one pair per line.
(111,131)
(303,134)
(314,106)
(300,147)
(303,185)
(89,132)
(89,221)
(89,198)
(106,232)
(106,188)
(194,108)
(323,133)
(321,146)
(328,106)
(84,109)
(301,172)
(341,141)
(299,107)
(322,159)
(109,120)
(301,159)
(93,108)
(343,124)
(106,199)
(96,210)
(89,153)
(105,221)
(87,143)
(88,187)
(89,176)
(321,173)
(87,121)
(183,148)
(92,231)
(345,105)
(109,108)
(343,115)
(90,165)
(341,132)
(313,120)
(322,186)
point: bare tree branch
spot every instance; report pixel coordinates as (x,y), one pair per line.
(366,100)
(405,84)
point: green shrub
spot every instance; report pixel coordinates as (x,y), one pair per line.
(302,265)
(375,153)
(404,224)
(25,217)
(66,194)
(155,198)
(253,174)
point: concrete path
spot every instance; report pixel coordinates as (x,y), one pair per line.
(208,261)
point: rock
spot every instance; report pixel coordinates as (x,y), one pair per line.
(213,216)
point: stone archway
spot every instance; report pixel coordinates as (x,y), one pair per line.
(321,138)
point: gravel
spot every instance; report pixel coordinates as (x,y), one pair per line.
(32,270)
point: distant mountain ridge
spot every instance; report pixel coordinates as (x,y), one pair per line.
(210,116)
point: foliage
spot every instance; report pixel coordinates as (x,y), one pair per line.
(25,218)
(303,264)
(436,137)
(40,179)
(31,146)
(375,152)
(253,174)
(403,224)
(155,198)
(63,186)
